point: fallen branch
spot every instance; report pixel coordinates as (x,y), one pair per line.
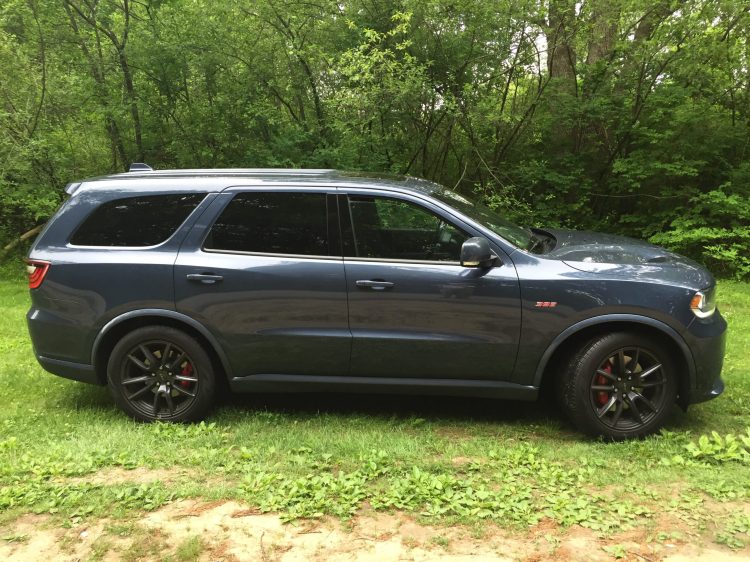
(25,236)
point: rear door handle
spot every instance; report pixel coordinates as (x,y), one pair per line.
(205,278)
(374,284)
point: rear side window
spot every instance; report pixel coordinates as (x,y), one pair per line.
(136,221)
(272,223)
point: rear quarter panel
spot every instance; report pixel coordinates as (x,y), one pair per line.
(86,287)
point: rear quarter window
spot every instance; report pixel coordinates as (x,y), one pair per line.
(145,220)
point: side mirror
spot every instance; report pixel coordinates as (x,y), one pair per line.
(476,252)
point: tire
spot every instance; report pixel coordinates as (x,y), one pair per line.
(158,373)
(619,386)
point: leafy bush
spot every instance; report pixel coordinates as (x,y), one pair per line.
(715,227)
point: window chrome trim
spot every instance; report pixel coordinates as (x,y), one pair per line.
(271,255)
(415,262)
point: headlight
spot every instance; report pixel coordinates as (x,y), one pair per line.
(703,303)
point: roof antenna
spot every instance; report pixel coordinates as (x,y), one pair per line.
(140,167)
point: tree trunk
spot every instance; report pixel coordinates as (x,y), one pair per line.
(604,18)
(561,55)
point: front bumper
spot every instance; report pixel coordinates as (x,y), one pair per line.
(707,342)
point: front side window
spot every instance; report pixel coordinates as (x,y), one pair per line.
(136,221)
(521,237)
(394,229)
(272,223)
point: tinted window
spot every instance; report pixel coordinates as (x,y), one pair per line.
(272,223)
(521,237)
(394,229)
(136,221)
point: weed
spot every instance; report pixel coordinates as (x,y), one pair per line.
(617,551)
(441,541)
(718,449)
(99,549)
(144,544)
(736,532)
(16,538)
(189,550)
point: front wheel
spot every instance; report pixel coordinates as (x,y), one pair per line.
(160,373)
(620,386)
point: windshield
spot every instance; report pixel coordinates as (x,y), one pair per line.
(521,237)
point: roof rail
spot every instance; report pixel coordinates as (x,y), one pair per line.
(140,167)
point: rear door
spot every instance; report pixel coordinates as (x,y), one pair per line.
(414,311)
(264,273)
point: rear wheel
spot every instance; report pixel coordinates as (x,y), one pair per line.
(160,373)
(620,386)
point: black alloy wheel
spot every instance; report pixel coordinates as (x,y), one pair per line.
(619,385)
(628,389)
(159,373)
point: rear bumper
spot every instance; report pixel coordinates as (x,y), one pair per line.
(73,371)
(55,334)
(58,344)
(707,341)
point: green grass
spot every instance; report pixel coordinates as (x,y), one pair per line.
(441,459)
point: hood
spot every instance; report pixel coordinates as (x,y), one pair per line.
(597,247)
(597,252)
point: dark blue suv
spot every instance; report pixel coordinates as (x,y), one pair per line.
(162,284)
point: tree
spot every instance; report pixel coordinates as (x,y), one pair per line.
(624,115)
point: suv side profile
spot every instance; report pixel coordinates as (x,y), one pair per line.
(160,284)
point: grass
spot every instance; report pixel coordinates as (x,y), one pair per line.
(441,459)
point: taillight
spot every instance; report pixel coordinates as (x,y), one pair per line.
(37,271)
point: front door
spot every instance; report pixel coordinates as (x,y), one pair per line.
(265,275)
(413,310)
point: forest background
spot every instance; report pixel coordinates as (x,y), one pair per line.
(626,116)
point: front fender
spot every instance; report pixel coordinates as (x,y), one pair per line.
(622,319)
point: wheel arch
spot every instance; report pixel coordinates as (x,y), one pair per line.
(111,333)
(570,340)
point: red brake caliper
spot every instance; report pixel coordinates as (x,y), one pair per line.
(603,396)
(187,370)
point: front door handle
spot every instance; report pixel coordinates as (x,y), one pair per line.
(375,284)
(205,278)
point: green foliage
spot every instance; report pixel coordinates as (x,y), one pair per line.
(714,449)
(189,550)
(718,449)
(715,226)
(736,533)
(617,551)
(515,488)
(640,129)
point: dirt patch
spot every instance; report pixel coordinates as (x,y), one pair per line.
(707,555)
(230,531)
(463,461)
(140,475)
(35,538)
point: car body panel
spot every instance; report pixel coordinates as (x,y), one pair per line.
(272,313)
(438,321)
(274,319)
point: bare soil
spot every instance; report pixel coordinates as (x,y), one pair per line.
(232,532)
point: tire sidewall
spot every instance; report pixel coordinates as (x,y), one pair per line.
(583,367)
(200,359)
